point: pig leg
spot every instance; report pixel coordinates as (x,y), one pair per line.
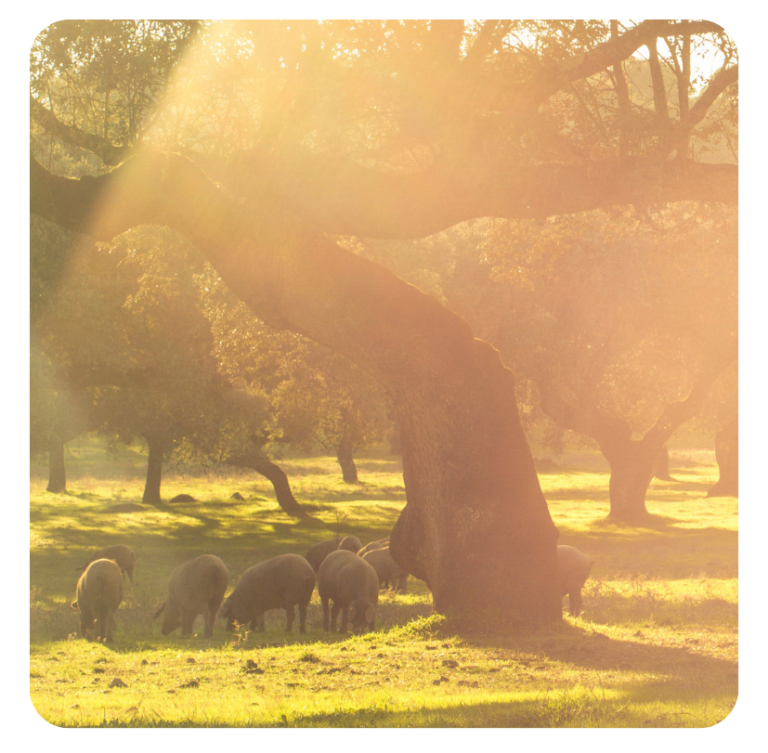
(208,623)
(325,614)
(290,613)
(213,607)
(110,624)
(187,620)
(574,601)
(85,623)
(334,616)
(303,617)
(344,617)
(101,624)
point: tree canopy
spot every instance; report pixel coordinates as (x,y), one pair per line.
(431,123)
(262,142)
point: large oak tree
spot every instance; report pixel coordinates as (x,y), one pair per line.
(269,136)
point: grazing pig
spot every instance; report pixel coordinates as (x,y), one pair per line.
(387,569)
(353,585)
(573,568)
(279,583)
(195,587)
(318,552)
(99,593)
(121,554)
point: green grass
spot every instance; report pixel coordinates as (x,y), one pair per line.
(655,647)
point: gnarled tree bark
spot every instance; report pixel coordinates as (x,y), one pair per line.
(632,469)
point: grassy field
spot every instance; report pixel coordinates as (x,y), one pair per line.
(655,647)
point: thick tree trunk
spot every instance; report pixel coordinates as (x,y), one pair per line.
(57,477)
(279,480)
(476,526)
(632,469)
(633,463)
(395,446)
(661,470)
(346,461)
(154,472)
(727,455)
(260,463)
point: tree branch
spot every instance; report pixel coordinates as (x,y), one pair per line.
(659,92)
(546,83)
(340,196)
(607,432)
(489,32)
(722,79)
(683,130)
(676,414)
(257,461)
(622,92)
(109,153)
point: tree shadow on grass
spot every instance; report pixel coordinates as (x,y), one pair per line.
(80,494)
(598,493)
(456,709)
(590,649)
(668,491)
(652,522)
(660,490)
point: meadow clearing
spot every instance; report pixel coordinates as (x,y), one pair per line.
(656,645)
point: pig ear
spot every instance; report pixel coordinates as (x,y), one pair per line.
(369,612)
(73,605)
(157,614)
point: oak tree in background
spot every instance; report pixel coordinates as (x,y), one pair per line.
(275,134)
(54,418)
(120,335)
(58,414)
(638,326)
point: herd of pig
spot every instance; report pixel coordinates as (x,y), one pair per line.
(347,574)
